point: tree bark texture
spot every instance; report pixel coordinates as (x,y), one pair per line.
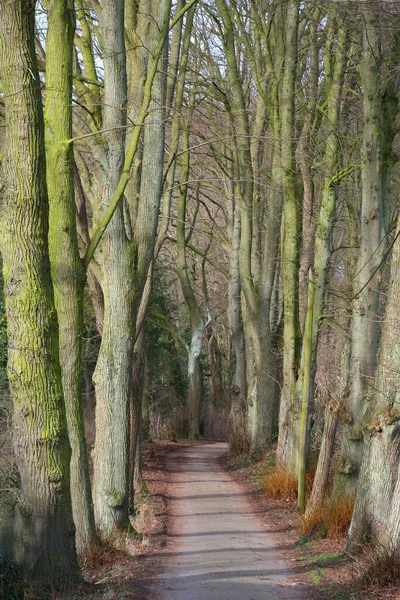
(288,443)
(66,265)
(364,328)
(45,535)
(113,372)
(377,510)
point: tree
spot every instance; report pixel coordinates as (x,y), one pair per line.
(67,268)
(376,512)
(375,208)
(45,534)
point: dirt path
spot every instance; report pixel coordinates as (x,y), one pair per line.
(217,548)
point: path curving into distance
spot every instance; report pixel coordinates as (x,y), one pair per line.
(217,548)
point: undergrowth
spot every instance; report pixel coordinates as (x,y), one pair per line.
(280,486)
(100,554)
(379,566)
(332,519)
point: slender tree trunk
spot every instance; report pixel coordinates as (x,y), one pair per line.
(238,436)
(136,410)
(239,383)
(215,364)
(289,411)
(45,535)
(305,163)
(197,323)
(260,363)
(304,430)
(139,484)
(321,479)
(113,372)
(66,265)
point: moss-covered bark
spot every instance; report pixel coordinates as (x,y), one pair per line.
(319,253)
(66,265)
(127,248)
(44,537)
(289,410)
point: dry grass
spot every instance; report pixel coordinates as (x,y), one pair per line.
(334,517)
(338,518)
(280,486)
(100,554)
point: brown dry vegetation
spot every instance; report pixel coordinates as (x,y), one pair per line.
(333,518)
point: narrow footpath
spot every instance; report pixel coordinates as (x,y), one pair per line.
(217,547)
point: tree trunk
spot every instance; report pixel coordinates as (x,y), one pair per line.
(66,266)
(377,511)
(215,365)
(289,411)
(234,309)
(197,323)
(320,252)
(136,410)
(304,152)
(304,429)
(45,535)
(321,479)
(113,372)
(260,363)
(364,328)
(333,408)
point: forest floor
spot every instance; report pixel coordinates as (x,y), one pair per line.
(207,530)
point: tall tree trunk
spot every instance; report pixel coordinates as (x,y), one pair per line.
(377,510)
(324,224)
(364,328)
(145,215)
(45,534)
(239,382)
(215,364)
(113,372)
(136,410)
(260,363)
(304,430)
(289,410)
(66,266)
(305,163)
(196,319)
(238,436)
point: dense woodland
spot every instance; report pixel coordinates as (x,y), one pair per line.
(200,237)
